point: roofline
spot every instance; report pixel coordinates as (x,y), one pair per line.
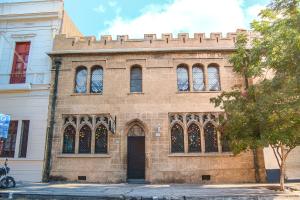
(137,50)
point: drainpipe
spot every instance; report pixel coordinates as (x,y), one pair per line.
(47,165)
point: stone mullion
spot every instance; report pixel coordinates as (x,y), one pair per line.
(185,134)
(205,77)
(219,142)
(93,134)
(202,139)
(77,135)
(88,84)
(190,75)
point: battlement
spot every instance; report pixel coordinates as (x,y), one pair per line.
(150,41)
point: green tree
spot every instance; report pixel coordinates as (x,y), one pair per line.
(268,112)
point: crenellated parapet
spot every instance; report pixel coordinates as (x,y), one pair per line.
(149,42)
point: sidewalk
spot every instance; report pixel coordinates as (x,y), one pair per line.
(134,191)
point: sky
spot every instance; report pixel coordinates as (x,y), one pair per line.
(138,17)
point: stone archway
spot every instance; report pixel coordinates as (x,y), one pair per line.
(136,152)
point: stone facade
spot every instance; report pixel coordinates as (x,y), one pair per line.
(152,110)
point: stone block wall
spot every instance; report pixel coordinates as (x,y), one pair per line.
(150,108)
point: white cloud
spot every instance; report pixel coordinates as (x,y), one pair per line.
(254,10)
(112,3)
(183,16)
(99,9)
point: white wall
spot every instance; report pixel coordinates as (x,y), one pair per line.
(38,27)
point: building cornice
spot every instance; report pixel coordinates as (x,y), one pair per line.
(28,2)
(29,16)
(137,50)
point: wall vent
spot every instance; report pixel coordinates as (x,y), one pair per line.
(82,178)
(205,177)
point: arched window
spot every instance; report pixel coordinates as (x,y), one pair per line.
(97,80)
(85,134)
(69,139)
(182,78)
(198,78)
(136,79)
(177,139)
(194,138)
(80,80)
(213,78)
(211,139)
(101,139)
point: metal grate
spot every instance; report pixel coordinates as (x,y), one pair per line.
(177,139)
(182,79)
(101,139)
(194,139)
(198,78)
(97,80)
(80,81)
(213,78)
(211,140)
(69,139)
(85,134)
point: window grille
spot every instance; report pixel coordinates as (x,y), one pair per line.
(211,140)
(97,80)
(69,139)
(7,146)
(225,144)
(136,79)
(182,78)
(194,140)
(101,139)
(198,78)
(213,78)
(177,139)
(85,136)
(80,80)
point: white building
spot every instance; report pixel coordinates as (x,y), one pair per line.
(27,29)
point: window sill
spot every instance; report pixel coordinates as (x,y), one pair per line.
(136,93)
(185,92)
(83,156)
(18,159)
(86,94)
(215,154)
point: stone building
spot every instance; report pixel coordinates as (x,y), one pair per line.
(27,30)
(140,109)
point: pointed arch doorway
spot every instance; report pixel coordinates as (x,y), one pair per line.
(136,152)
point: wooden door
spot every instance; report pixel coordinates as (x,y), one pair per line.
(18,72)
(136,157)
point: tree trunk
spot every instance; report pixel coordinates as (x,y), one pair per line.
(282,175)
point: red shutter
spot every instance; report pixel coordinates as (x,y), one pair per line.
(18,72)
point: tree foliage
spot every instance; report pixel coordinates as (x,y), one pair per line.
(267,112)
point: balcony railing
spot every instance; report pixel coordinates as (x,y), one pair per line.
(32,78)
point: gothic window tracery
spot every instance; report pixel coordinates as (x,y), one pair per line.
(183,78)
(101,135)
(194,138)
(69,139)
(97,79)
(81,80)
(136,130)
(211,139)
(85,136)
(177,139)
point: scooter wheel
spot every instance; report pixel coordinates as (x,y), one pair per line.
(8,182)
